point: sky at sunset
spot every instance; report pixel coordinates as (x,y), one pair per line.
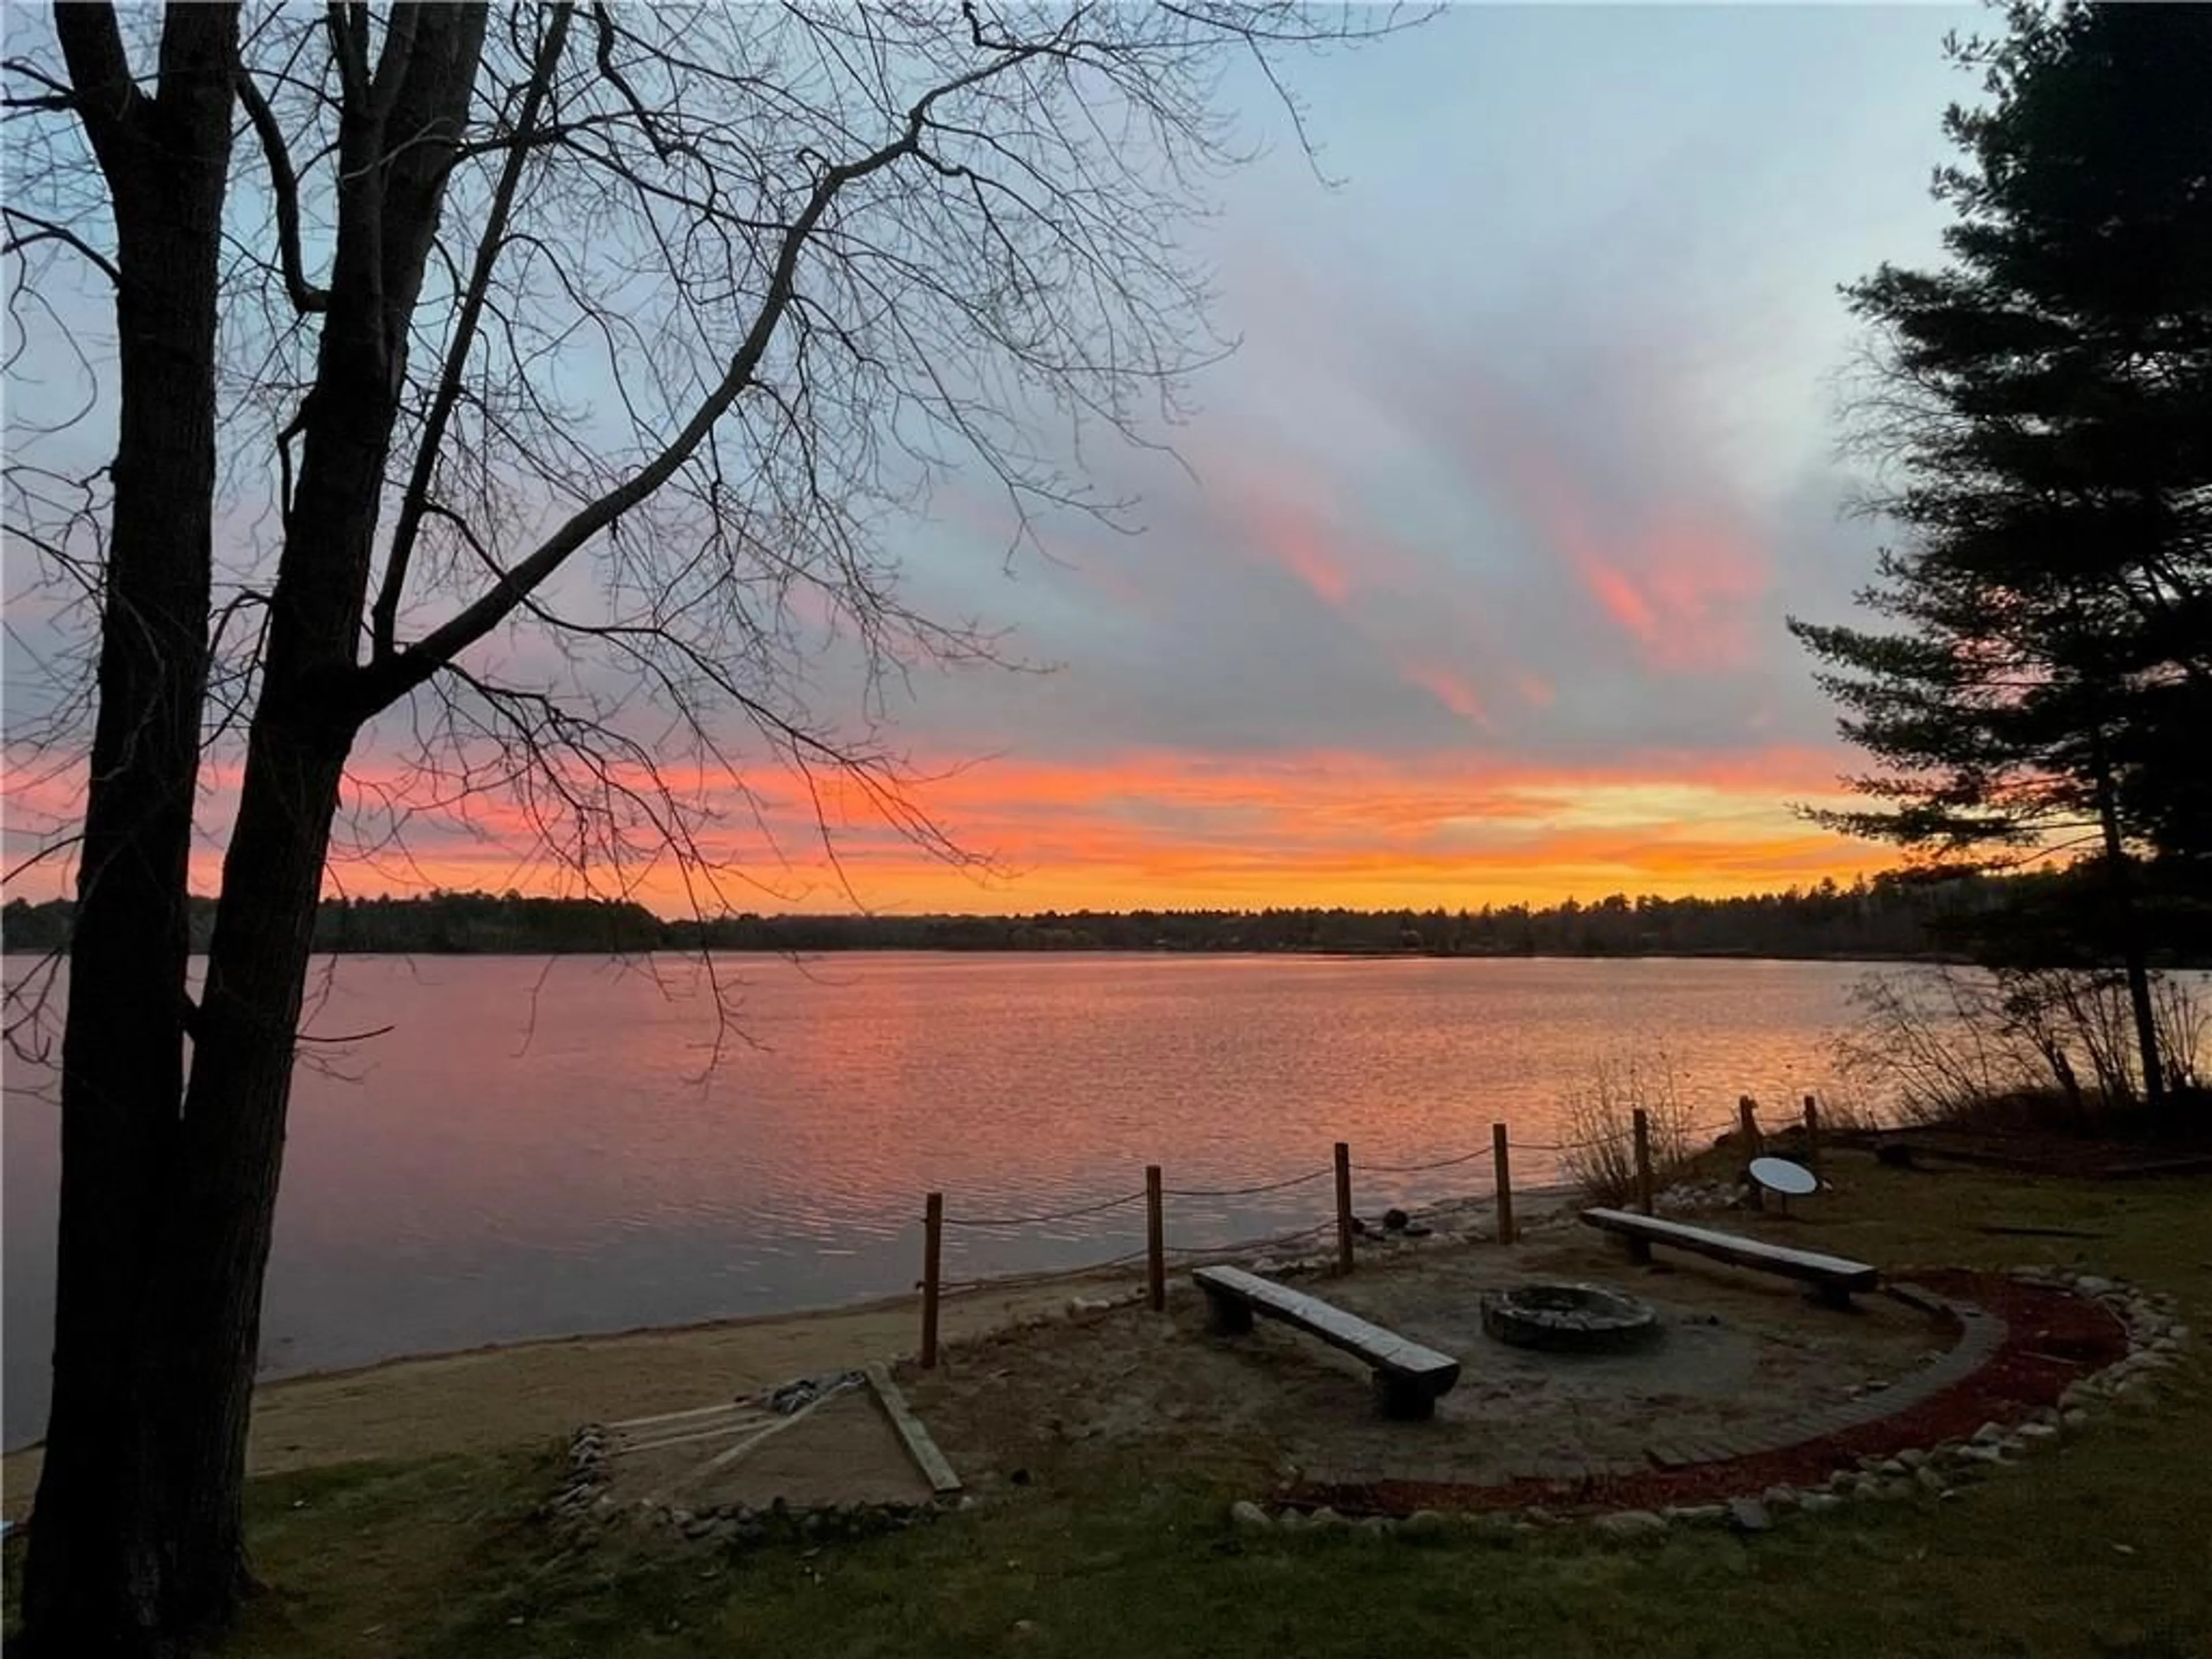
(1473,590)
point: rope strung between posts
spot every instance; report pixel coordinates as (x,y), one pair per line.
(1076,1214)
(1024,1281)
(1419,1169)
(1185,1254)
(1619,1137)
(1244,1192)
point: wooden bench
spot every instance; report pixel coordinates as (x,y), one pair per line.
(1831,1278)
(1408,1377)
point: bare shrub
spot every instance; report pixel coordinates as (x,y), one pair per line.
(1847,1109)
(1598,1121)
(2049,1048)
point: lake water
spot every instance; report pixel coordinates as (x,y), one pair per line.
(543,1148)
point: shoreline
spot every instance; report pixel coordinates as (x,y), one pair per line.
(498,1395)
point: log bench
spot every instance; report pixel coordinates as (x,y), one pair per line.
(1830,1278)
(1408,1377)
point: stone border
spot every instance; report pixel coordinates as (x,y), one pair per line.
(581,1501)
(1567,1317)
(2154,1339)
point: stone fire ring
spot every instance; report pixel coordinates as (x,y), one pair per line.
(1562,1318)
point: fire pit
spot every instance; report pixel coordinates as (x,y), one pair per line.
(1562,1318)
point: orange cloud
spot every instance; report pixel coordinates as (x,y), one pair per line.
(1155,829)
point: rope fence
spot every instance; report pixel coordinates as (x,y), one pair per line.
(1157,1254)
(1077,1214)
(1243,1192)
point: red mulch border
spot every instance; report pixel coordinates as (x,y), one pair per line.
(2052,1337)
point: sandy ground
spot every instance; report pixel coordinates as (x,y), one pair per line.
(1738,1352)
(1021,1391)
(489,1398)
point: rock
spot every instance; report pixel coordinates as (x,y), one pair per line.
(1378,1526)
(1912,1457)
(1246,1516)
(1930,1480)
(1749,1515)
(1326,1519)
(2035,1431)
(2179,1334)
(1424,1523)
(2090,1285)
(1632,1523)
(1894,1468)
(1701,1514)
(1819,1502)
(1988,1435)
(1291,1520)
(2075,1418)
(1842,1480)
(1395,1220)
(1779,1498)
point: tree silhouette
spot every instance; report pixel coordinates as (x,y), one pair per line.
(2044,405)
(444,336)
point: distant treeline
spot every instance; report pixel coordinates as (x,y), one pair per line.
(1887,917)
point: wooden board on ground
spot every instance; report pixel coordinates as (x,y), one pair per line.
(843,1451)
(923,1450)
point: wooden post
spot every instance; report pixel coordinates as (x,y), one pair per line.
(1501,1160)
(932,1253)
(1812,1130)
(1747,1111)
(1156,1240)
(1643,1160)
(1343,1207)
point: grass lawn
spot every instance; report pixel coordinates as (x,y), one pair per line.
(2099,1546)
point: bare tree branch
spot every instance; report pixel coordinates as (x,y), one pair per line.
(284,185)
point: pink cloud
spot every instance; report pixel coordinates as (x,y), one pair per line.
(1447,688)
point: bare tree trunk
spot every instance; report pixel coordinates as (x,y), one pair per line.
(2119,873)
(169,1185)
(102,1572)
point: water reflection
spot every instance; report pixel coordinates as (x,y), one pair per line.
(540,1149)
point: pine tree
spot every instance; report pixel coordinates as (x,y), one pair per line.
(2042,407)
